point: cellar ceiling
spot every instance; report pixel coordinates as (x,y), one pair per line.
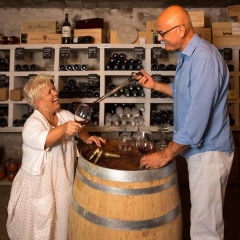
(116,4)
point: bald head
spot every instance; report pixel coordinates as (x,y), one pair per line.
(174,15)
(176,27)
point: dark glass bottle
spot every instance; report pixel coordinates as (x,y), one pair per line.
(108,67)
(3,122)
(84,39)
(111,86)
(154,94)
(85,86)
(171,67)
(84,67)
(154,67)
(76,67)
(70,94)
(16,123)
(81,94)
(162,67)
(134,93)
(62,94)
(62,68)
(115,55)
(69,67)
(96,94)
(141,93)
(3,40)
(89,93)
(25,68)
(72,82)
(126,92)
(17,67)
(34,67)
(66,31)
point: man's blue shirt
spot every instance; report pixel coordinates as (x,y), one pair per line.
(200,92)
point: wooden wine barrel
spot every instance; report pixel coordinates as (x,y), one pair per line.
(112,204)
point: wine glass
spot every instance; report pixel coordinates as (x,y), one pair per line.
(144,144)
(125,140)
(82,114)
(137,134)
(161,144)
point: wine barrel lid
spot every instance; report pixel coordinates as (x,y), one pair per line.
(127,34)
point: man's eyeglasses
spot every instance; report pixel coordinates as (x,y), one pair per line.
(162,34)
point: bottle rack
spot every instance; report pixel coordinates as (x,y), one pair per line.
(33,53)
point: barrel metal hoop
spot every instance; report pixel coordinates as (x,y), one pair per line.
(127,176)
(126,225)
(126,191)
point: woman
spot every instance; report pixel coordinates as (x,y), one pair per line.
(40,195)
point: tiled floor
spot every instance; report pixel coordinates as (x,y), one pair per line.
(231,212)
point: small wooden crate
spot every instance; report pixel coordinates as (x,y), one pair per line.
(197,18)
(49,26)
(234,11)
(41,38)
(97,33)
(113,38)
(223,33)
(4,93)
(16,94)
(204,33)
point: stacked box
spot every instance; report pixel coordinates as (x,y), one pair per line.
(98,34)
(234,11)
(40,32)
(16,94)
(4,93)
(226,33)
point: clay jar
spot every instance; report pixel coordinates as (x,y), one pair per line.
(12,166)
(2,172)
(11,176)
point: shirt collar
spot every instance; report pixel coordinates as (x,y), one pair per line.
(190,48)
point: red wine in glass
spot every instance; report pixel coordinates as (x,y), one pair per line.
(144,150)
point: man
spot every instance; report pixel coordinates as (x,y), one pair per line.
(201,123)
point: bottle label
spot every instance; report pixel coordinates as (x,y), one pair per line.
(66,31)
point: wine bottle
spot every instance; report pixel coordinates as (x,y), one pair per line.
(85,86)
(111,86)
(141,93)
(69,67)
(162,67)
(72,82)
(171,67)
(16,123)
(84,39)
(34,67)
(126,92)
(62,68)
(17,67)
(4,67)
(66,31)
(84,67)
(154,94)
(89,93)
(70,94)
(134,93)
(62,94)
(154,67)
(95,119)
(96,94)
(25,68)
(76,67)
(115,55)
(81,94)
(3,122)
(108,67)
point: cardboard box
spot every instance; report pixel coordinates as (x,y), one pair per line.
(16,94)
(40,38)
(234,11)
(197,18)
(97,33)
(226,33)
(4,93)
(204,33)
(50,26)
(113,38)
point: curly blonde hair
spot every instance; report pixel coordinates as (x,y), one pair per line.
(32,90)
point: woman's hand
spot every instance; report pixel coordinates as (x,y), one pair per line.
(97,140)
(146,80)
(70,128)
